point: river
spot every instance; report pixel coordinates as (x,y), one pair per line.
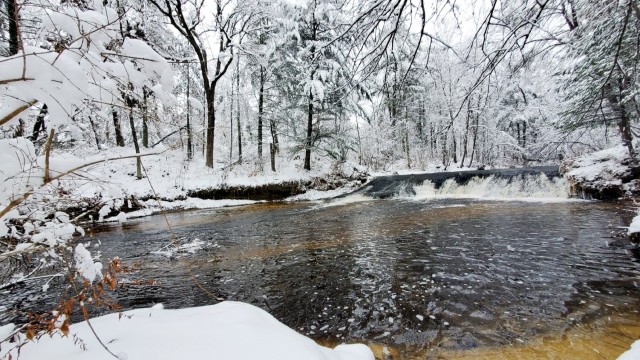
(413,277)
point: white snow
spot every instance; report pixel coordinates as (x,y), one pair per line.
(85,264)
(228,330)
(635,226)
(592,166)
(603,169)
(633,353)
(6,331)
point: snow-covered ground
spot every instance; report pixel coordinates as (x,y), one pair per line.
(228,330)
(170,175)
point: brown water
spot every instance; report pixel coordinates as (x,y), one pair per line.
(414,279)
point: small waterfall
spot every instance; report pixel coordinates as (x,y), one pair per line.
(528,186)
(543,183)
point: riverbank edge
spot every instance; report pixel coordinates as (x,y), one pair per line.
(95,210)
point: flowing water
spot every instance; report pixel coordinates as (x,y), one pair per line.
(424,276)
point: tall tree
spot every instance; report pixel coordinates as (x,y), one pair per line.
(188,19)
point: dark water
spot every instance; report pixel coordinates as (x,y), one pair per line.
(412,275)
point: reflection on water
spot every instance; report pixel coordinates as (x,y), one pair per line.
(421,278)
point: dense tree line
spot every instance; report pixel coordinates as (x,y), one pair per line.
(386,84)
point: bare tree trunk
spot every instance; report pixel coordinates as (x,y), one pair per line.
(465,140)
(135,144)
(95,132)
(445,156)
(272,150)
(625,131)
(455,147)
(39,126)
(275,146)
(359,143)
(116,127)
(231,98)
(307,151)
(211,98)
(189,134)
(211,126)
(145,119)
(238,112)
(407,148)
(473,144)
(309,140)
(14,23)
(432,141)
(260,115)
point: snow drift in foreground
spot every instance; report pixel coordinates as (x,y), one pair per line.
(633,353)
(228,330)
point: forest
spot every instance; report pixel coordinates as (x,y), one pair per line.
(384,84)
(115,109)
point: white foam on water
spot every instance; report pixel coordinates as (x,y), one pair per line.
(351,199)
(534,188)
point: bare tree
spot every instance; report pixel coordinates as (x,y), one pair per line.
(187,17)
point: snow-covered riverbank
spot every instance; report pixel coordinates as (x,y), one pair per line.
(228,330)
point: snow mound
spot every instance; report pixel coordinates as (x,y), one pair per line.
(608,173)
(228,330)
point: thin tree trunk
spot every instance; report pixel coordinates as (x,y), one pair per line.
(359,143)
(204,124)
(116,127)
(275,147)
(95,132)
(231,124)
(465,140)
(260,115)
(189,134)
(307,151)
(625,131)
(14,23)
(455,147)
(408,152)
(238,112)
(475,136)
(211,126)
(135,144)
(39,126)
(272,150)
(145,119)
